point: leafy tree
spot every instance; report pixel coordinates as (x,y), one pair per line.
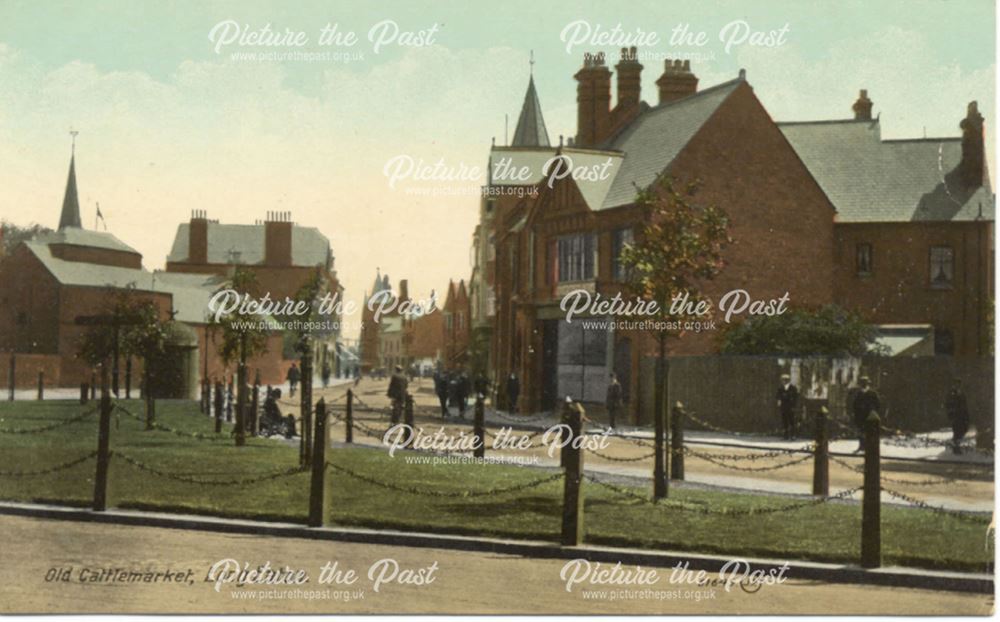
(829,331)
(134,329)
(679,249)
(244,335)
(13,235)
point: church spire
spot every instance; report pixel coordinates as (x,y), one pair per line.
(70,216)
(530,131)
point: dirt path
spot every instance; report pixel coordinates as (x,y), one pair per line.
(462,582)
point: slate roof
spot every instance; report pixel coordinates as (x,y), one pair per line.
(652,141)
(873,180)
(309,246)
(190,292)
(530,131)
(85,237)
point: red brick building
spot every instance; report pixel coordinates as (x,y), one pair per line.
(802,200)
(283,256)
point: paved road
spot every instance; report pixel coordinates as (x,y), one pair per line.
(461,582)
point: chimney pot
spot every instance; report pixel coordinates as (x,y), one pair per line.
(677,80)
(862,107)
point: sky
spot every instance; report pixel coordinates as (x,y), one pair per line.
(174,113)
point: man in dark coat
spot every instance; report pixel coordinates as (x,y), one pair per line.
(957,409)
(866,401)
(613,399)
(788,399)
(441,390)
(513,391)
(293,377)
(397,393)
(325,374)
(464,388)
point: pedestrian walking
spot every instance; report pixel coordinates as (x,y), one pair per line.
(441,390)
(788,399)
(866,401)
(325,374)
(464,388)
(613,399)
(513,391)
(293,376)
(397,393)
(956,407)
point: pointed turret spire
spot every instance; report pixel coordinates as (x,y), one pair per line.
(70,216)
(530,131)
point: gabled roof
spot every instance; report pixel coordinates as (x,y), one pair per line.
(652,141)
(70,216)
(244,244)
(190,292)
(873,180)
(530,131)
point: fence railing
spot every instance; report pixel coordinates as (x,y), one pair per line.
(572,474)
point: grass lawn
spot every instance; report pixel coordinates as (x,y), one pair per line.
(827,532)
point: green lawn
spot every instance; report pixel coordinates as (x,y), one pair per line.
(828,532)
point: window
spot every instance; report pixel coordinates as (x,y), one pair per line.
(621,239)
(942,266)
(576,258)
(863,259)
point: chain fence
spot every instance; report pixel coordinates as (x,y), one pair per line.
(450,494)
(187,479)
(917,503)
(49,470)
(51,426)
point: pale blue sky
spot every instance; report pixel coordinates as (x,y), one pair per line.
(167,125)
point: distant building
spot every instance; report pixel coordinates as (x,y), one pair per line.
(50,280)
(283,256)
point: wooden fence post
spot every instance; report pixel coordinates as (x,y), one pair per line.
(572,523)
(479,427)
(411,432)
(11,377)
(219,406)
(349,418)
(128,377)
(821,460)
(871,518)
(93,385)
(319,499)
(677,442)
(41,385)
(103,446)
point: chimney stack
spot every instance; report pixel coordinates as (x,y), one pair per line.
(278,239)
(404,290)
(629,78)
(972,168)
(593,101)
(863,107)
(677,81)
(198,237)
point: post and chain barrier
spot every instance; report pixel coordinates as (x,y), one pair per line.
(923,505)
(53,469)
(457,494)
(187,479)
(50,427)
(941,481)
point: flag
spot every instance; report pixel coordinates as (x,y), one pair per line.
(100,217)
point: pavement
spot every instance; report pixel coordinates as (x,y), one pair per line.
(58,566)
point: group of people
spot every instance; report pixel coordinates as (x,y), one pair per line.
(454,388)
(866,401)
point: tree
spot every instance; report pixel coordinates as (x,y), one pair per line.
(310,293)
(828,331)
(12,235)
(134,329)
(244,335)
(679,249)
